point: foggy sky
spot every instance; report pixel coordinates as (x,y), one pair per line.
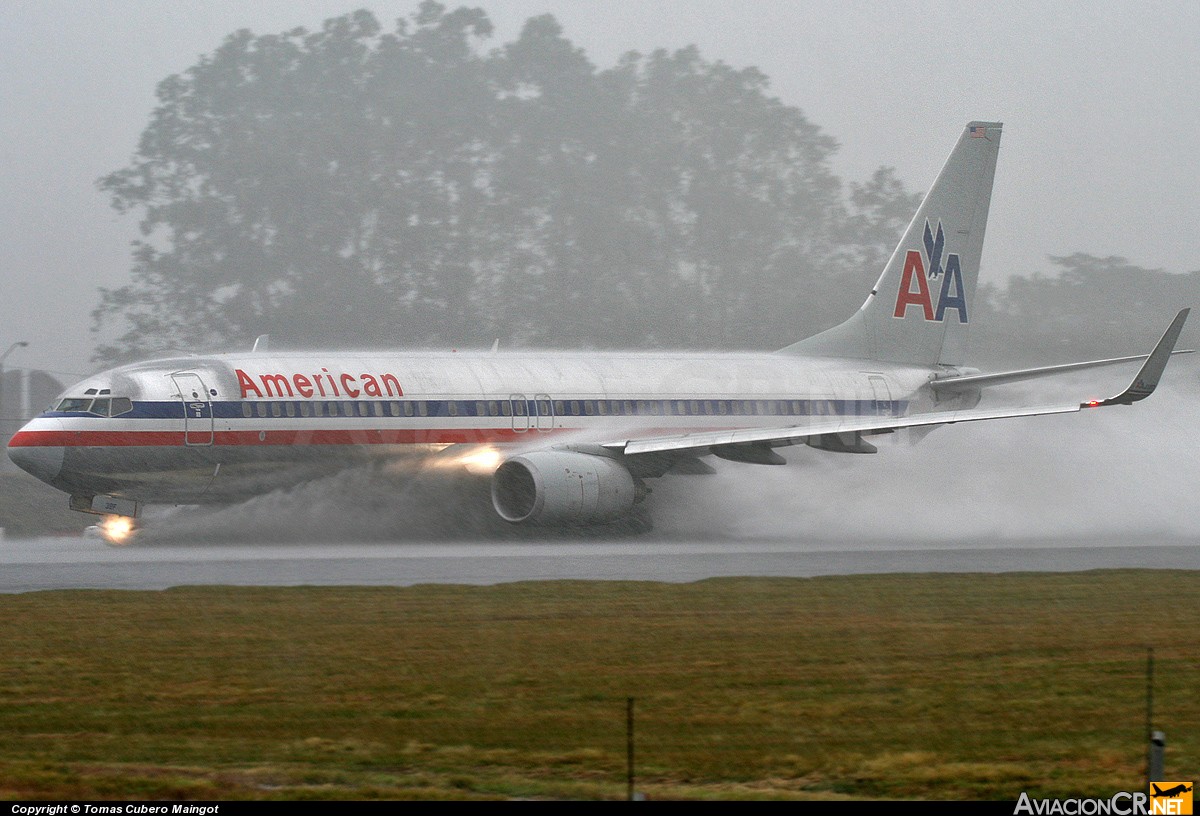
(1099,102)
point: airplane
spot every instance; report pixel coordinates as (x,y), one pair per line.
(1170,793)
(567,438)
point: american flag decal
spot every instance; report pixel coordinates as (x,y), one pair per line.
(978,132)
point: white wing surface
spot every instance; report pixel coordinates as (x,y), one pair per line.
(1142,386)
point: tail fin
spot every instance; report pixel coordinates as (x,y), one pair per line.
(919,311)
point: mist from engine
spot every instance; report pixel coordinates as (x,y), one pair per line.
(1122,472)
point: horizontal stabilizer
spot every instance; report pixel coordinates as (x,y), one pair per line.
(975,381)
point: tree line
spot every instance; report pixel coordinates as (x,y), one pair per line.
(356,186)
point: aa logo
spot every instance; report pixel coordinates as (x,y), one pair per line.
(1173,798)
(915,280)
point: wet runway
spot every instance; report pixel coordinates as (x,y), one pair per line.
(84,563)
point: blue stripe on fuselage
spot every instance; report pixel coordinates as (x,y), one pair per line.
(492,408)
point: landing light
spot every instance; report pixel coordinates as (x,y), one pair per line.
(117,530)
(482,462)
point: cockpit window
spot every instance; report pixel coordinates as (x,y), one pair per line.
(104,406)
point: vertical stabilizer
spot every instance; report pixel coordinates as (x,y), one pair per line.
(920,310)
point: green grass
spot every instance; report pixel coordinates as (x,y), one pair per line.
(924,686)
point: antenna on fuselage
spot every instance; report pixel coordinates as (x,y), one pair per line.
(495,345)
(261,343)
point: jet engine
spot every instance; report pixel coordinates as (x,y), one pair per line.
(564,486)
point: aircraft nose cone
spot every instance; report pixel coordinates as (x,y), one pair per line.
(29,453)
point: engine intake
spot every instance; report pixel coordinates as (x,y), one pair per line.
(564,486)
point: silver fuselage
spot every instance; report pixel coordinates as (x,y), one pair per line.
(223,428)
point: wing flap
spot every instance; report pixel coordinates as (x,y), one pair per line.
(794,434)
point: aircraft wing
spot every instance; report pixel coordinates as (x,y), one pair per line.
(1143,385)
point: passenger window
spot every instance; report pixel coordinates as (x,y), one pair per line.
(260,408)
(408,411)
(378,407)
(589,407)
(247,410)
(121,405)
(452,408)
(560,407)
(423,408)
(543,407)
(506,408)
(394,409)
(363,409)
(275,410)
(574,407)
(602,407)
(318,409)
(722,407)
(291,409)
(480,408)
(305,409)
(493,408)
(695,407)
(519,407)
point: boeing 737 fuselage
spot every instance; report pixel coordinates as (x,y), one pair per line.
(569,438)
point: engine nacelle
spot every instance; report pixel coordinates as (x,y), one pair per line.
(564,486)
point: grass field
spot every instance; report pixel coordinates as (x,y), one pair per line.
(926,686)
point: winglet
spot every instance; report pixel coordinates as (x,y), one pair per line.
(1148,375)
